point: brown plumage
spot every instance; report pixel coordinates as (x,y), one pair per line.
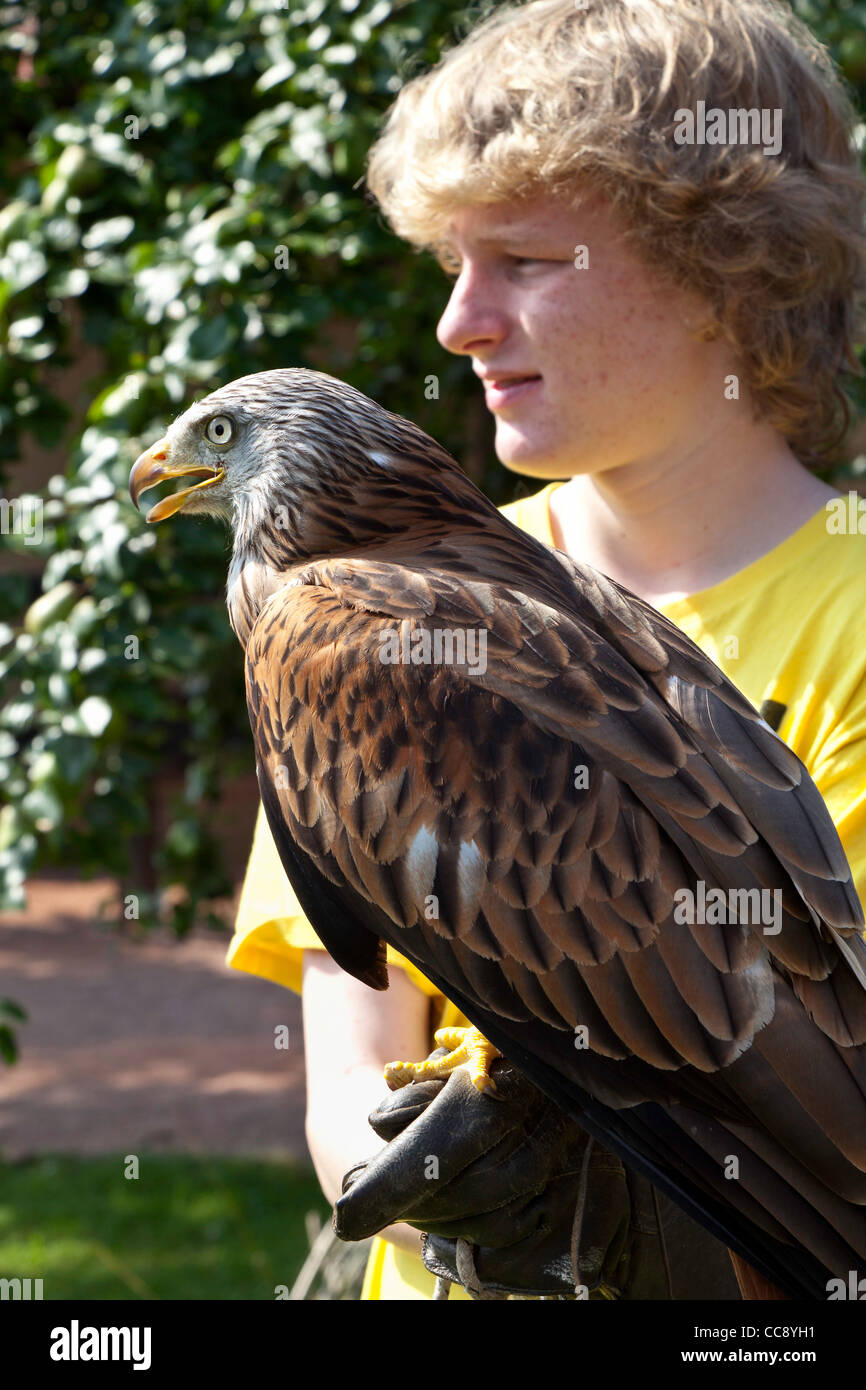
(522,824)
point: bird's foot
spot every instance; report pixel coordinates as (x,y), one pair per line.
(469,1048)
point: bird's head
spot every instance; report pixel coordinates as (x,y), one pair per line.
(249,438)
(300,463)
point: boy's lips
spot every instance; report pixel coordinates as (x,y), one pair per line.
(501,390)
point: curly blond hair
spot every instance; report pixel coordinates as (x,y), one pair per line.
(561,96)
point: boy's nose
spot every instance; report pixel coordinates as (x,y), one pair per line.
(472,318)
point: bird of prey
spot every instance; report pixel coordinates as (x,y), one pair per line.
(543,794)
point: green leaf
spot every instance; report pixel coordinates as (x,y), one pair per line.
(22,266)
(13,1010)
(8,1046)
(111,232)
(50,608)
(95,715)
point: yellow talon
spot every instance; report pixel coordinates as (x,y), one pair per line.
(469,1048)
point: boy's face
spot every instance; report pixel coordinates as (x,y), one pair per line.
(618,377)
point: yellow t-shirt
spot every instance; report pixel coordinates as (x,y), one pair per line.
(788,629)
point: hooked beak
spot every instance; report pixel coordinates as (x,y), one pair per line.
(152,468)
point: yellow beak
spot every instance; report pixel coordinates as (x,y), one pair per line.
(152,468)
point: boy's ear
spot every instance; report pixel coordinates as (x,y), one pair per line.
(704,328)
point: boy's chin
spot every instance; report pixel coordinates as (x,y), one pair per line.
(546,468)
(521,454)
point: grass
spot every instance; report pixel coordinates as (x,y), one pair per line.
(188,1227)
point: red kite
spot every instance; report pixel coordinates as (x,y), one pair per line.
(543,794)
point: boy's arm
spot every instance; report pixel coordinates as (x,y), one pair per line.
(350,1032)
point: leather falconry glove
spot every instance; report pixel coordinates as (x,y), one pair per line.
(515,1198)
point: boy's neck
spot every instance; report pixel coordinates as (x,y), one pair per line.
(669,528)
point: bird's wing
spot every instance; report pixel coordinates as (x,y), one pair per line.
(443,808)
(480,763)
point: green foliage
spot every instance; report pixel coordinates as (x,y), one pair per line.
(181,189)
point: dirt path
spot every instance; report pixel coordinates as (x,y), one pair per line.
(130,1045)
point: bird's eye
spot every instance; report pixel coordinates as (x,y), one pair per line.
(220,430)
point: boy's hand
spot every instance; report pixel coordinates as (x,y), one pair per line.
(495,1182)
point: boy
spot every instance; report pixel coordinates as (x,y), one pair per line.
(661,310)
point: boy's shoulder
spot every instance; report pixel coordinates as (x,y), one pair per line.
(834,548)
(531,513)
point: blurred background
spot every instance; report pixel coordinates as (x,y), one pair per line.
(181,205)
